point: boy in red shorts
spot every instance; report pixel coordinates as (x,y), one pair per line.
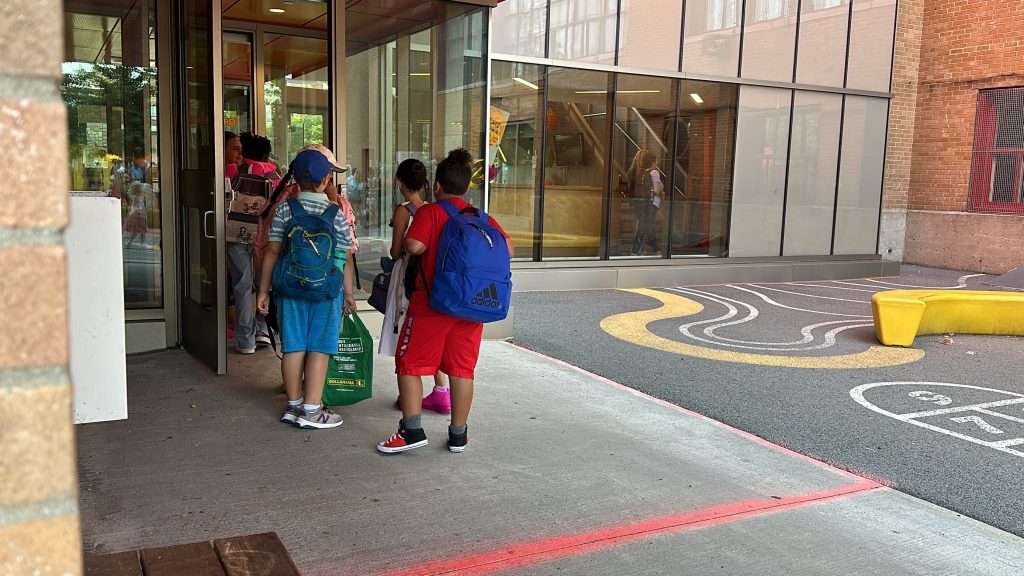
(430,340)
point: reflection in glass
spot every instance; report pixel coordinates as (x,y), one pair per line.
(762,136)
(649,34)
(516,98)
(418,96)
(821,53)
(575,163)
(768,40)
(295,92)
(583,31)
(642,142)
(520,27)
(702,183)
(711,40)
(238,82)
(813,161)
(860,175)
(110,90)
(871,36)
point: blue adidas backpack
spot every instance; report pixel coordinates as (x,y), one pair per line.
(305,269)
(472,275)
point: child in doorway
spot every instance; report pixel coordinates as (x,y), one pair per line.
(429,340)
(309,329)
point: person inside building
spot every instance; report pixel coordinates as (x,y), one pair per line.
(250,327)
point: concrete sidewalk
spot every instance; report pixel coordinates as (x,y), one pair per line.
(565,473)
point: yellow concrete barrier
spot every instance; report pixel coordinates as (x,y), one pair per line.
(900,315)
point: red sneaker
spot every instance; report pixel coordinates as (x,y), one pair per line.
(437,401)
(403,440)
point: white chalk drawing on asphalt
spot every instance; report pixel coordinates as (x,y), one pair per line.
(976,422)
(738,313)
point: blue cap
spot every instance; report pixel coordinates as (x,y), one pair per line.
(310,166)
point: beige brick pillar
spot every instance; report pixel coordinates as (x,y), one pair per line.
(902,114)
(39,531)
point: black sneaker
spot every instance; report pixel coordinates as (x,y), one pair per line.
(457,442)
(404,439)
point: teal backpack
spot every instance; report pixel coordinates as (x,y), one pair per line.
(306,270)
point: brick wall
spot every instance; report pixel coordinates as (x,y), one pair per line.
(38,481)
(966,47)
(902,111)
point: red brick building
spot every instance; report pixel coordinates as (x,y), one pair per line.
(956,143)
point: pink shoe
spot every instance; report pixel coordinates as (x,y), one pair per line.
(231,332)
(437,401)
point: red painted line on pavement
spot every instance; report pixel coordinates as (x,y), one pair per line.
(528,553)
(859,479)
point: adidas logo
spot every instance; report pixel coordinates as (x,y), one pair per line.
(488,297)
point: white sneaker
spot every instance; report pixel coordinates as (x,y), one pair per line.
(246,350)
(262,339)
(322,418)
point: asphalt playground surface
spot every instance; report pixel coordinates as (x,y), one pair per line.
(797,364)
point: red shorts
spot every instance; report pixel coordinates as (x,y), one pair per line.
(430,341)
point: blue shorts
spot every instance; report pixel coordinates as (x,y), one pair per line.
(309,326)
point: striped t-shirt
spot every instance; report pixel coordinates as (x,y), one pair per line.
(313,203)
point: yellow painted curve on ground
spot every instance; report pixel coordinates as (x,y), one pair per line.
(632,327)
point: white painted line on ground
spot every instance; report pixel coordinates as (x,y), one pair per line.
(968,408)
(961,282)
(809,295)
(806,331)
(774,303)
(1000,415)
(1008,443)
(875,288)
(858,395)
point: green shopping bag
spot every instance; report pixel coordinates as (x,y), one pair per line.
(350,371)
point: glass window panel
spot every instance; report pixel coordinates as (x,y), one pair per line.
(110,90)
(860,175)
(813,161)
(711,39)
(582,31)
(416,97)
(295,92)
(643,135)
(575,163)
(701,190)
(649,34)
(871,36)
(821,53)
(762,138)
(520,27)
(238,82)
(516,99)
(769,40)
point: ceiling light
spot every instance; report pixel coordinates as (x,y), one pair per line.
(696,98)
(419,73)
(276,10)
(526,83)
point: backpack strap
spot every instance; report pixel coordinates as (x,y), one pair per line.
(452,211)
(329,213)
(244,168)
(297,209)
(410,208)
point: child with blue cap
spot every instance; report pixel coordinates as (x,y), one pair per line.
(309,323)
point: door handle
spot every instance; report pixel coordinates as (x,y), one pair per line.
(206,220)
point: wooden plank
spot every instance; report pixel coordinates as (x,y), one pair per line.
(196,559)
(120,564)
(255,555)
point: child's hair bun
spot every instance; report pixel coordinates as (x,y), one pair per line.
(461,156)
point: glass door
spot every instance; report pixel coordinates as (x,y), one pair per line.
(200,167)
